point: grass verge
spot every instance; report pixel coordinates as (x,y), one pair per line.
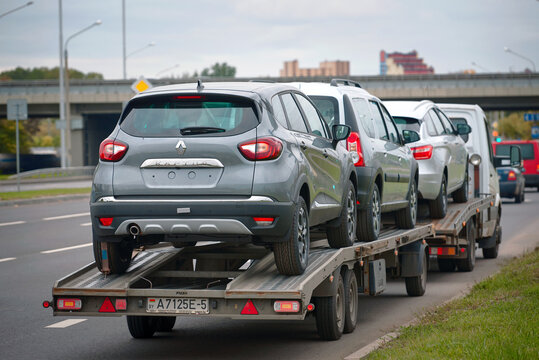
(41,193)
(499,319)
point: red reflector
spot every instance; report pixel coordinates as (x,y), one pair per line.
(249,308)
(462,250)
(68,304)
(105,221)
(46,304)
(264,221)
(181,97)
(286,306)
(422,152)
(107,306)
(310,307)
(121,304)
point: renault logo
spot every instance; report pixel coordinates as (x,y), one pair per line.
(180,147)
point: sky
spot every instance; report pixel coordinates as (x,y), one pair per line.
(257,36)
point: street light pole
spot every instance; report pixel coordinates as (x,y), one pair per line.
(17,8)
(142,48)
(62,90)
(123,39)
(167,69)
(507,50)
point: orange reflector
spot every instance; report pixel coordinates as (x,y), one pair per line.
(491,203)
(105,221)
(477,210)
(310,307)
(68,304)
(249,308)
(286,306)
(107,306)
(121,304)
(464,223)
(263,221)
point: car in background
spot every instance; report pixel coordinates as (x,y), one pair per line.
(441,154)
(230,162)
(512,183)
(530,154)
(386,171)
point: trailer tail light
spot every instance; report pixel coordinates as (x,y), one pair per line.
(112,150)
(286,306)
(249,308)
(266,148)
(422,152)
(511,176)
(353,144)
(121,304)
(107,306)
(106,221)
(69,304)
(449,250)
(263,221)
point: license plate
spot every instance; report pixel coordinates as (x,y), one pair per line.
(178,305)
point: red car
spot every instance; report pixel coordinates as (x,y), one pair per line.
(530,154)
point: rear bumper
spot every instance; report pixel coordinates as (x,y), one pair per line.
(508,189)
(532,180)
(232,217)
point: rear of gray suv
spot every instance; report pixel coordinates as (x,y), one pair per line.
(219,162)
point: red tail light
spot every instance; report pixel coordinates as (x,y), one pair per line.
(353,144)
(267,148)
(106,221)
(422,152)
(511,176)
(112,150)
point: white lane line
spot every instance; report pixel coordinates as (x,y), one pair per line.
(13,223)
(7,259)
(65,323)
(86,224)
(66,248)
(66,216)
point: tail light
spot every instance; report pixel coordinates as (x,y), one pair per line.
(537,168)
(112,150)
(422,152)
(266,148)
(353,144)
(511,176)
(263,221)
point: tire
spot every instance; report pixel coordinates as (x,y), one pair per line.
(345,233)
(351,301)
(438,206)
(142,327)
(520,197)
(492,253)
(165,323)
(406,218)
(468,264)
(417,285)
(118,254)
(461,195)
(292,255)
(330,312)
(446,265)
(369,221)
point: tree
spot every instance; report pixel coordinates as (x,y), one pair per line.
(219,70)
(44,73)
(7,137)
(514,127)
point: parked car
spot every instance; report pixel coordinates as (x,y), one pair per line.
(530,154)
(386,171)
(239,162)
(440,152)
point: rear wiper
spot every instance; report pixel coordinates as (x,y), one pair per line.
(200,130)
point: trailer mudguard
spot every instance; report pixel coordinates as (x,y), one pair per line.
(410,259)
(328,287)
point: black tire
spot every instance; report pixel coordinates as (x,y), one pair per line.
(369,221)
(446,265)
(492,253)
(520,197)
(345,233)
(142,327)
(351,301)
(438,206)
(406,218)
(417,285)
(292,255)
(461,195)
(330,313)
(468,264)
(165,323)
(119,254)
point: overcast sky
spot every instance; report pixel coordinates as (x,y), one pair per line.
(256,36)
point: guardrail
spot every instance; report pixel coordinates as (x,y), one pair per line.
(56,172)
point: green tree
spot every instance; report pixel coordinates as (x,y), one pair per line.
(7,137)
(219,70)
(513,126)
(44,73)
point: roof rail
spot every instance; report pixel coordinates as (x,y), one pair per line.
(347,82)
(263,81)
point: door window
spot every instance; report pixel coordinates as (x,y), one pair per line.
(449,129)
(378,121)
(294,115)
(278,111)
(437,122)
(363,114)
(431,129)
(390,125)
(315,123)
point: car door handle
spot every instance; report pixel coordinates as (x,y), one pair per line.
(385,154)
(303,145)
(326,153)
(400,159)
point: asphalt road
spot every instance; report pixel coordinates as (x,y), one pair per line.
(28,270)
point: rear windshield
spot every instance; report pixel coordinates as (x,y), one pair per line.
(526,149)
(188,115)
(329,107)
(404,123)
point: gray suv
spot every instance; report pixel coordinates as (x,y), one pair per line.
(233,162)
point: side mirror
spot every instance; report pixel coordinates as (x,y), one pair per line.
(340,132)
(516,156)
(410,136)
(463,129)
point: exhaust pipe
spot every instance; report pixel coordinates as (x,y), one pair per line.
(134,229)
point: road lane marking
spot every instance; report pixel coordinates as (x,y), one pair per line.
(66,248)
(65,323)
(86,224)
(7,259)
(66,216)
(12,223)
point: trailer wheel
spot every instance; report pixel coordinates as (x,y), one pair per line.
(492,253)
(438,206)
(406,217)
(351,301)
(468,264)
(292,255)
(165,323)
(446,265)
(416,285)
(330,313)
(369,221)
(118,254)
(142,327)
(344,234)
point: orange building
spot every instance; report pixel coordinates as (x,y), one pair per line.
(326,68)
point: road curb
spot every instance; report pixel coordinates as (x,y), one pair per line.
(44,199)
